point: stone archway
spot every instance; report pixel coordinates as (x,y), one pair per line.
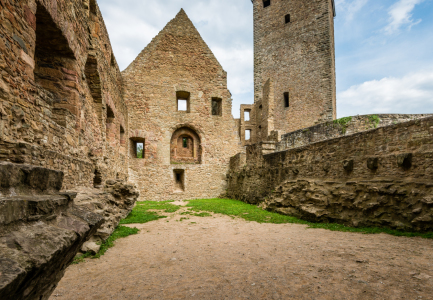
(185,146)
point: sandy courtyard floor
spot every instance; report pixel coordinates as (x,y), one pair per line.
(223,258)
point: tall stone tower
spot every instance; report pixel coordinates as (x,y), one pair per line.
(294,64)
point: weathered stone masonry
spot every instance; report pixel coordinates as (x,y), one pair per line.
(378,177)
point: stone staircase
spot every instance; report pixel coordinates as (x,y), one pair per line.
(41,230)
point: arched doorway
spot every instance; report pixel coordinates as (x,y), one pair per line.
(185,146)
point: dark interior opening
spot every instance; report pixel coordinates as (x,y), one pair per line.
(286,99)
(266,3)
(97,179)
(287,19)
(179,180)
(216,106)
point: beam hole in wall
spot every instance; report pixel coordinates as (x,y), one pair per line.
(182,99)
(137,147)
(246,115)
(266,3)
(216,106)
(286,99)
(179,180)
(247,134)
(185,147)
(287,18)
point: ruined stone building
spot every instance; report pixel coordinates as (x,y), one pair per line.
(180,110)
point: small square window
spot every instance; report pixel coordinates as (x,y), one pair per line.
(266,3)
(246,115)
(247,134)
(287,19)
(216,106)
(183,101)
(137,148)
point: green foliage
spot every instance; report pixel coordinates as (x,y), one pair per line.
(140,151)
(119,232)
(374,120)
(141,214)
(343,122)
(249,212)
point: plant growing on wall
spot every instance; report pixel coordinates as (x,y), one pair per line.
(343,123)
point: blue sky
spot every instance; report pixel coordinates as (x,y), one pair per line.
(384,49)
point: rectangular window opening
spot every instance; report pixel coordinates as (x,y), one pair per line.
(182,101)
(286,99)
(247,134)
(216,107)
(179,180)
(266,3)
(137,148)
(287,19)
(246,115)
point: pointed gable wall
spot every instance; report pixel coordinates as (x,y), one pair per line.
(178,60)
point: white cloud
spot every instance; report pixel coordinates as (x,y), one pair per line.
(348,8)
(411,94)
(400,14)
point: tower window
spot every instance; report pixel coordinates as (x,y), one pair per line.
(185,142)
(286,99)
(182,101)
(287,19)
(247,134)
(179,180)
(216,106)
(246,115)
(266,3)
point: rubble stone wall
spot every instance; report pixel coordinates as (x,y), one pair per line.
(58,81)
(380,177)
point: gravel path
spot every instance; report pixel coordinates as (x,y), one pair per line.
(223,258)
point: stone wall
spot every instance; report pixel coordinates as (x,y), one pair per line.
(379,177)
(294,50)
(178,64)
(58,82)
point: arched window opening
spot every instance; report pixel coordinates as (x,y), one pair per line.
(94,83)
(185,147)
(266,3)
(55,66)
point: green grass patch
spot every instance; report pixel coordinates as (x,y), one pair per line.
(119,232)
(141,214)
(249,212)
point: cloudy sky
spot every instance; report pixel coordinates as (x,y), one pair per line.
(384,49)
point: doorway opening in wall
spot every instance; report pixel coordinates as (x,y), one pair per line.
(247,134)
(137,148)
(246,115)
(286,99)
(179,180)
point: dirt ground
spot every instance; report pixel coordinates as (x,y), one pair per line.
(223,258)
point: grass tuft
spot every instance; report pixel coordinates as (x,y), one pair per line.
(235,208)
(119,232)
(141,214)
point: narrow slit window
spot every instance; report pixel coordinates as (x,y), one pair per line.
(246,115)
(182,101)
(266,3)
(287,18)
(286,99)
(185,142)
(247,134)
(179,180)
